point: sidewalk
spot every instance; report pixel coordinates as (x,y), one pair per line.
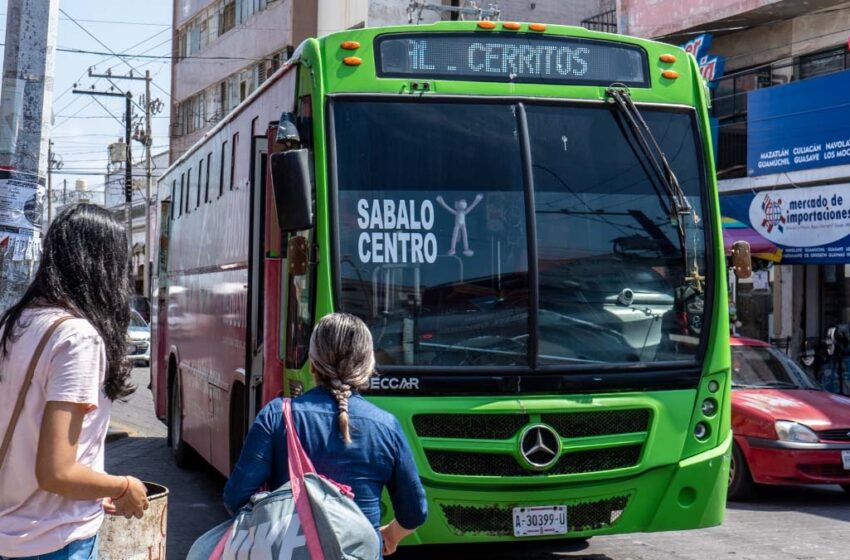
(194,502)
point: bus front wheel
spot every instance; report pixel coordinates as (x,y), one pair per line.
(740,480)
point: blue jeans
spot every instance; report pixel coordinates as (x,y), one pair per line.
(77,550)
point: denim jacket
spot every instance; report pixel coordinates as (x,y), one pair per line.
(379,455)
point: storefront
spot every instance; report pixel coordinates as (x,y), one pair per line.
(794,209)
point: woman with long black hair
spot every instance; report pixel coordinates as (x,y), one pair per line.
(62,363)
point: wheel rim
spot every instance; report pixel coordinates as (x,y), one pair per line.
(176,417)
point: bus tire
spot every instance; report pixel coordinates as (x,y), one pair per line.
(184,456)
(238,423)
(741,483)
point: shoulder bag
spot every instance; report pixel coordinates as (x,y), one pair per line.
(22,394)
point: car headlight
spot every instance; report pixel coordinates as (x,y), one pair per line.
(792,431)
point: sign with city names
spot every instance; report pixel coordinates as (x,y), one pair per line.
(801,125)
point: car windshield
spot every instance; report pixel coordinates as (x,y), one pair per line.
(437,246)
(136,319)
(764,366)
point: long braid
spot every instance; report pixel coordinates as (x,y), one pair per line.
(343,360)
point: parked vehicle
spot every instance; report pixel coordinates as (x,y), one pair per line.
(787,429)
(138,339)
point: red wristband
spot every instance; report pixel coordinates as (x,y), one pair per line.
(126,487)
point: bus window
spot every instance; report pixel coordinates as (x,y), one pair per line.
(233,154)
(200,177)
(221,174)
(299,320)
(433,242)
(188,189)
(207,182)
(182,192)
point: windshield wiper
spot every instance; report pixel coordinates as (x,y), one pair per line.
(677,205)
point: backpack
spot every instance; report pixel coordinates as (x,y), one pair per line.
(308,518)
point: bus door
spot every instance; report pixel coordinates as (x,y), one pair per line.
(256,292)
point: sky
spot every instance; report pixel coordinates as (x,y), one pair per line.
(82,129)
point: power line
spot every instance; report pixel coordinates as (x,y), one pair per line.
(142,23)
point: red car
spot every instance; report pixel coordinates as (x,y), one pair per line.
(787,429)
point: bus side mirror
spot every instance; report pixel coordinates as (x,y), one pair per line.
(742,262)
(291,183)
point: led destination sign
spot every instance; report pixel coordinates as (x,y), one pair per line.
(510,58)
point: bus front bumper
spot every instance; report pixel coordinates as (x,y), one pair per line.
(688,495)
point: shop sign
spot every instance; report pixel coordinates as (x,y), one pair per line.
(811,225)
(710,66)
(801,125)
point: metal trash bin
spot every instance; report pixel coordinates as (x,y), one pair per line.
(137,539)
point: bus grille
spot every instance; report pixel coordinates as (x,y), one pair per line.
(504,426)
(492,464)
(601,423)
(841,434)
(469,426)
(498,520)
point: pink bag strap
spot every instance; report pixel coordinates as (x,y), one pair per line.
(300,465)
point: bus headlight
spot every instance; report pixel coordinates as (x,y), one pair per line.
(701,431)
(792,431)
(709,407)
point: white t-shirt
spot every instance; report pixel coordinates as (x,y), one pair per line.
(72,368)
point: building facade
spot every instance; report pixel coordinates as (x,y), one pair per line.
(224,49)
(782,146)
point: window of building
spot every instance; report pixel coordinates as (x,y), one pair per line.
(173,199)
(824,62)
(228,17)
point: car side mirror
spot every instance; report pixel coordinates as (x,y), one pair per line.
(742,262)
(290,173)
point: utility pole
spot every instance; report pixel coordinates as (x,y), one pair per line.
(27,92)
(128,165)
(150,106)
(53,162)
(146,288)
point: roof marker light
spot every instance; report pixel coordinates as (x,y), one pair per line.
(537,26)
(512,25)
(670,74)
(350,45)
(486,24)
(669,58)
(352,60)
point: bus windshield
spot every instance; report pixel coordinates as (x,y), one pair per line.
(441,255)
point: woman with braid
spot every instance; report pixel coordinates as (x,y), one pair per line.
(347,438)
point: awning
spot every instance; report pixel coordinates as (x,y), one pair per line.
(760,248)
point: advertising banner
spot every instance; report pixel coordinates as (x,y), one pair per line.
(801,125)
(21,202)
(811,225)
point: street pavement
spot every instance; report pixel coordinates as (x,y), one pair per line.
(782,523)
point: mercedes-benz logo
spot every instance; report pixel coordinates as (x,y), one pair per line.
(540,446)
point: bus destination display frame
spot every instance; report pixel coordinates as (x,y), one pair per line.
(509,58)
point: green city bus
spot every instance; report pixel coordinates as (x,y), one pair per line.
(526,217)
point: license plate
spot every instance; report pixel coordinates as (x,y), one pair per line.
(845,458)
(540,520)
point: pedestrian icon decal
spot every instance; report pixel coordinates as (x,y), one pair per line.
(460,211)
